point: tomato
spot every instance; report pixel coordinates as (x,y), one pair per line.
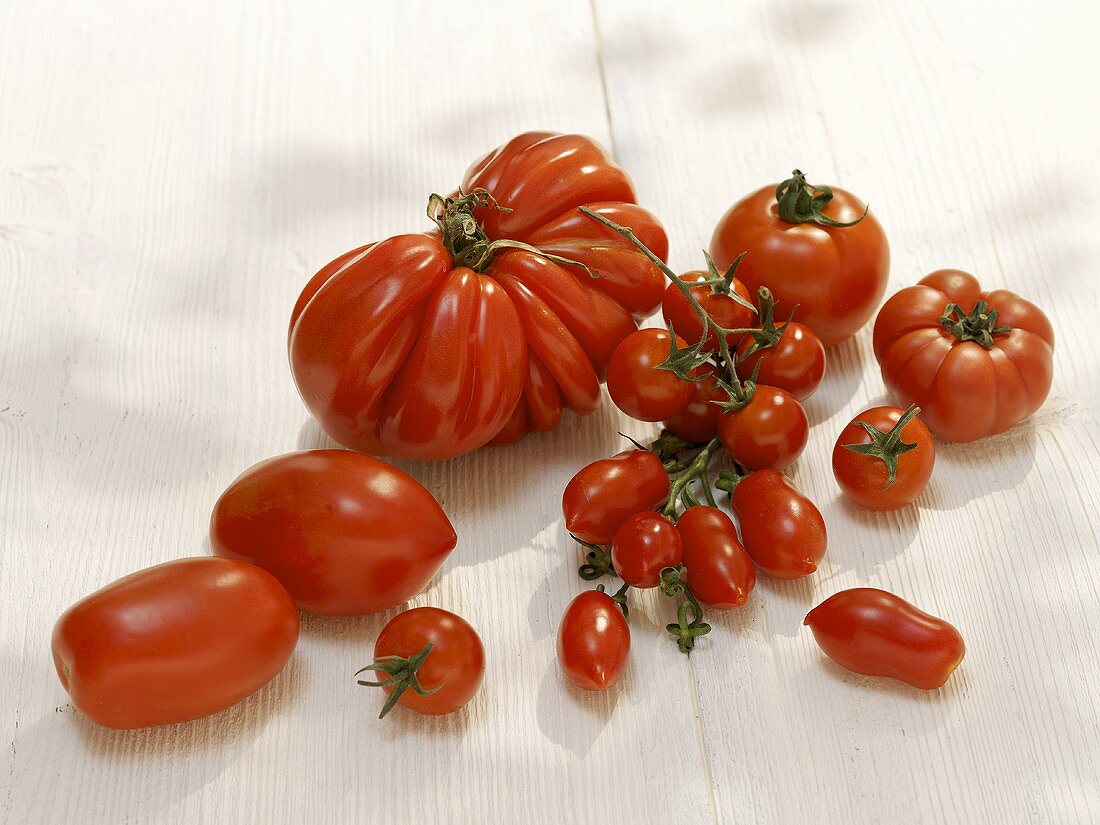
(724,310)
(887,466)
(834,275)
(698,421)
(782,529)
(593,641)
(428,660)
(796,363)
(975,362)
(645,545)
(769,432)
(174,642)
(345,533)
(876,633)
(719,570)
(603,494)
(428,345)
(636,383)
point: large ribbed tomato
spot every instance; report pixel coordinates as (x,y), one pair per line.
(430,345)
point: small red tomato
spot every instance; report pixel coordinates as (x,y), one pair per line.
(770,432)
(645,544)
(723,309)
(796,362)
(782,529)
(603,494)
(428,660)
(719,570)
(884,458)
(876,633)
(636,384)
(593,641)
(174,642)
(698,421)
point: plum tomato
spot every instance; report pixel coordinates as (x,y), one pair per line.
(698,421)
(781,529)
(719,570)
(770,431)
(593,641)
(603,494)
(645,545)
(723,309)
(636,382)
(884,458)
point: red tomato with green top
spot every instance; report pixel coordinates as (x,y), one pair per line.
(593,641)
(637,383)
(796,363)
(722,308)
(884,458)
(770,431)
(698,420)
(603,494)
(719,571)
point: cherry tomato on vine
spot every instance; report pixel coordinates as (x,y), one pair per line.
(769,432)
(645,544)
(719,570)
(723,309)
(698,421)
(884,457)
(428,660)
(636,383)
(796,363)
(603,494)
(782,529)
(876,633)
(593,641)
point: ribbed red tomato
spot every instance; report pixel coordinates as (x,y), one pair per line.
(430,345)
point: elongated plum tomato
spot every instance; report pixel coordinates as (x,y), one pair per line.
(834,275)
(975,362)
(345,533)
(889,469)
(428,346)
(770,432)
(782,529)
(723,309)
(645,544)
(796,363)
(876,633)
(603,494)
(593,641)
(433,649)
(719,570)
(698,421)
(636,383)
(174,642)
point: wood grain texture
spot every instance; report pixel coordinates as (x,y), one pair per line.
(171,176)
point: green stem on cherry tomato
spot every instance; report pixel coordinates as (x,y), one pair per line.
(728,480)
(769,334)
(696,469)
(685,629)
(401,676)
(619,597)
(597,562)
(799,202)
(887,446)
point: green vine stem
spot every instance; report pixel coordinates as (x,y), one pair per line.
(799,202)
(696,469)
(887,446)
(979,326)
(597,562)
(768,335)
(689,624)
(619,597)
(401,675)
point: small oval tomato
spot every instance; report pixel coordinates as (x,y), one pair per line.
(698,421)
(593,641)
(884,458)
(795,363)
(769,432)
(428,660)
(876,633)
(637,385)
(345,533)
(976,362)
(174,642)
(603,494)
(782,529)
(719,570)
(723,309)
(645,544)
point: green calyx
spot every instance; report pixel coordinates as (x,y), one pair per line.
(799,202)
(979,326)
(689,624)
(887,446)
(619,597)
(722,284)
(401,675)
(768,335)
(682,361)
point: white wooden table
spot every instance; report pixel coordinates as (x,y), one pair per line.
(171,174)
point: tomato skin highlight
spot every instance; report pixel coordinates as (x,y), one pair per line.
(345,533)
(876,633)
(645,544)
(637,386)
(698,420)
(864,478)
(770,432)
(174,642)
(781,529)
(720,572)
(604,494)
(593,641)
(722,309)
(795,364)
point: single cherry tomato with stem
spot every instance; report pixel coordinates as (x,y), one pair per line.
(789,356)
(594,639)
(603,494)
(639,379)
(698,421)
(883,459)
(427,659)
(646,543)
(719,570)
(769,431)
(876,633)
(724,298)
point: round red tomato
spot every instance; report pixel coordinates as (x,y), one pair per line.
(884,458)
(769,432)
(174,642)
(645,545)
(698,421)
(795,363)
(429,345)
(428,660)
(345,533)
(603,494)
(876,633)
(782,529)
(593,641)
(723,309)
(975,362)
(719,570)
(835,275)
(636,383)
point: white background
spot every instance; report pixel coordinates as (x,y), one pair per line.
(172,174)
